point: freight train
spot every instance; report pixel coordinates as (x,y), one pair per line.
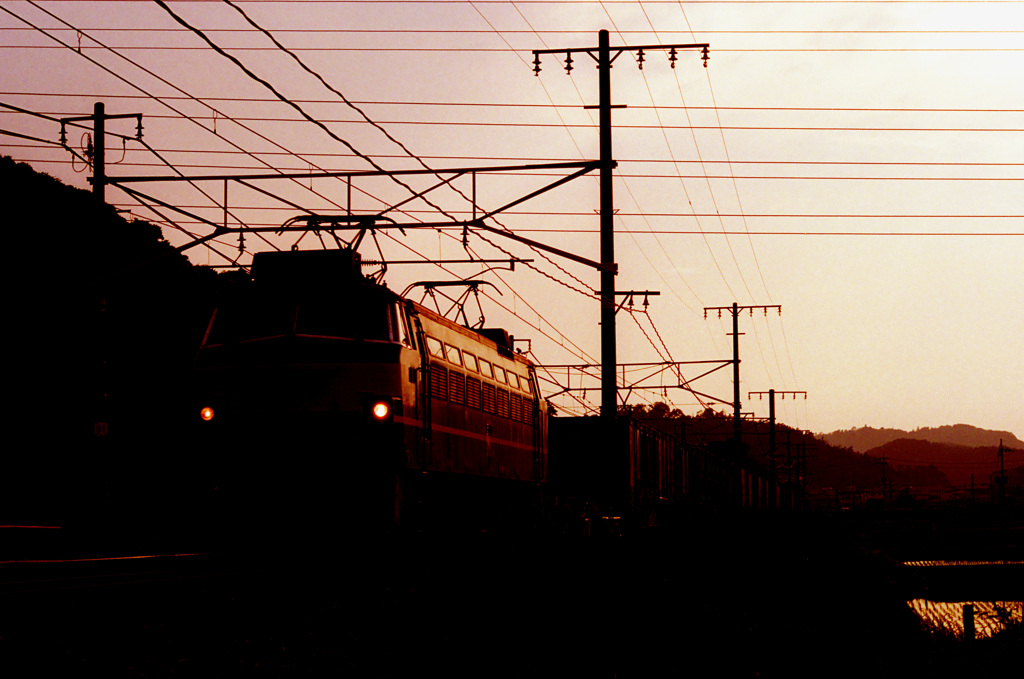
(322,396)
(323,393)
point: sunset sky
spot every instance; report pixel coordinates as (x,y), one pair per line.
(860,164)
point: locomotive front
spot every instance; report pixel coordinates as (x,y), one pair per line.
(306,386)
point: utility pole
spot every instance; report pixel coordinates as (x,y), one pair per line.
(1001,481)
(604,55)
(735,309)
(883,480)
(99,163)
(802,474)
(771,420)
(789,462)
(99,120)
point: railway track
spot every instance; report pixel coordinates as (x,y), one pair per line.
(20,577)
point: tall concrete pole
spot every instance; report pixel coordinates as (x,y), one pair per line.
(737,425)
(609,383)
(99,165)
(604,57)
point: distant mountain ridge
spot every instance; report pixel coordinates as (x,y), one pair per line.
(863,439)
(961,465)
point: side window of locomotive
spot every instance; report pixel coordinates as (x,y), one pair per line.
(452,353)
(499,373)
(524,382)
(470,361)
(485,369)
(513,380)
(435,348)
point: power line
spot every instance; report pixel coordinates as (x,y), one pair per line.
(628,126)
(149,95)
(512,50)
(560,32)
(492,104)
(285,100)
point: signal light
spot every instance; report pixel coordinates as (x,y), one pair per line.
(381,410)
(206,414)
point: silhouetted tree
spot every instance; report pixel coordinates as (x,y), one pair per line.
(104,319)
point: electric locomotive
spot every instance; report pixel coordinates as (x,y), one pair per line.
(325,398)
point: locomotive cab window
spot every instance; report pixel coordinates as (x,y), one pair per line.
(470,361)
(366,321)
(265,316)
(499,374)
(485,369)
(401,330)
(513,380)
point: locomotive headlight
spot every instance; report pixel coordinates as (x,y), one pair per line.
(206,414)
(381,410)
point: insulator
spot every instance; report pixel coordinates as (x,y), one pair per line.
(705,56)
(536,64)
(640,59)
(568,62)
(672,58)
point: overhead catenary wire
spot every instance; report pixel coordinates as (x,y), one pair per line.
(366,118)
(270,87)
(260,235)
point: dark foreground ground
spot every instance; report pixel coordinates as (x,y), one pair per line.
(728,599)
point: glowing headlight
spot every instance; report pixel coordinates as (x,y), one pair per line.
(206,414)
(381,410)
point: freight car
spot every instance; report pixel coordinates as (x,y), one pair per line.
(324,397)
(613,473)
(622,474)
